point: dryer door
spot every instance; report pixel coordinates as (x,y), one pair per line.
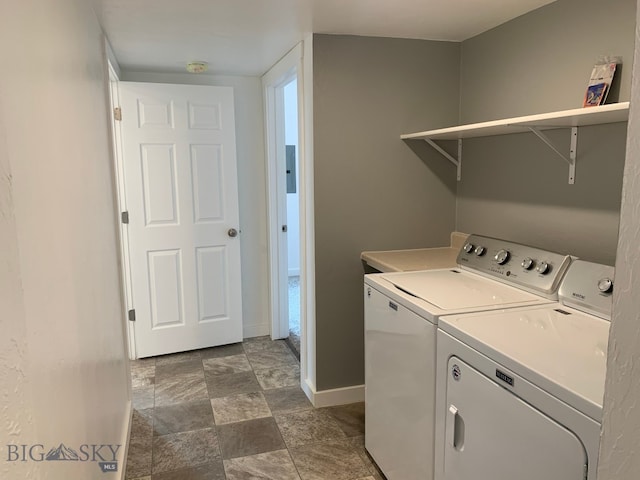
(492,434)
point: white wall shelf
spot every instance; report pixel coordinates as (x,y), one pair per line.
(536,124)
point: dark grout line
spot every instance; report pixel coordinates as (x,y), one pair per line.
(287,341)
(295,352)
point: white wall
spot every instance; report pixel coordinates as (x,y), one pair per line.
(293,199)
(251,187)
(619,459)
(15,408)
(63,367)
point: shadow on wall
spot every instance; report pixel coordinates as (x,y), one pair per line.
(520,169)
(440,166)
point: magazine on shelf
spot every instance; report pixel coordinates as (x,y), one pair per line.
(599,84)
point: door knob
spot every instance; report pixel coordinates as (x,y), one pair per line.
(232,232)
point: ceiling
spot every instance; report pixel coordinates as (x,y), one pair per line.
(246,37)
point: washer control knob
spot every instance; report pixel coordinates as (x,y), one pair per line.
(527,263)
(468,248)
(605,285)
(543,268)
(502,257)
(480,250)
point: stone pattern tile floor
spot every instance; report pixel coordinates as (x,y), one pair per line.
(237,412)
(294,315)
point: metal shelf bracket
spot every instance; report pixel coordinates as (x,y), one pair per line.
(573,150)
(571,159)
(456,161)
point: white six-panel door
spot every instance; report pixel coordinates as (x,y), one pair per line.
(182,198)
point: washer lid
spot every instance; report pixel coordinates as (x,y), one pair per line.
(458,289)
(562,350)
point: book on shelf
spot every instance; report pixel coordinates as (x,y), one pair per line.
(599,84)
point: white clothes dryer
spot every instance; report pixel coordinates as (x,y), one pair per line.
(401,317)
(519,391)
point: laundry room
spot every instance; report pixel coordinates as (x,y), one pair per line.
(513,187)
(498,341)
(381,194)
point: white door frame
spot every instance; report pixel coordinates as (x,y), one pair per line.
(298,62)
(121,199)
(273,82)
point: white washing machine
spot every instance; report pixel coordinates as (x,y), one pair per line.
(519,391)
(401,317)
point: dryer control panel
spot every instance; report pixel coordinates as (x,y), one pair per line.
(588,287)
(533,269)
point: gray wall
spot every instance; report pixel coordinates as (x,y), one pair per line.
(372,192)
(541,62)
(514,186)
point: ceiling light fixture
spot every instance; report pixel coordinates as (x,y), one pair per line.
(197,67)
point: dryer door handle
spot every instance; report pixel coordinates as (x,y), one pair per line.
(455,428)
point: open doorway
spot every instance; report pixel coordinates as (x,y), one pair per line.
(293,71)
(290,100)
(282,102)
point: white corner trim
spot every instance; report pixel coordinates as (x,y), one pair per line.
(336,396)
(255,330)
(126,435)
(285,70)
(113,61)
(307,217)
(308,388)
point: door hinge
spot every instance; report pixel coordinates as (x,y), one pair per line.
(117,114)
(125,217)
(132,315)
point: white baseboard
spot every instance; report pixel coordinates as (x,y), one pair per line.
(124,441)
(308,388)
(255,330)
(336,396)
